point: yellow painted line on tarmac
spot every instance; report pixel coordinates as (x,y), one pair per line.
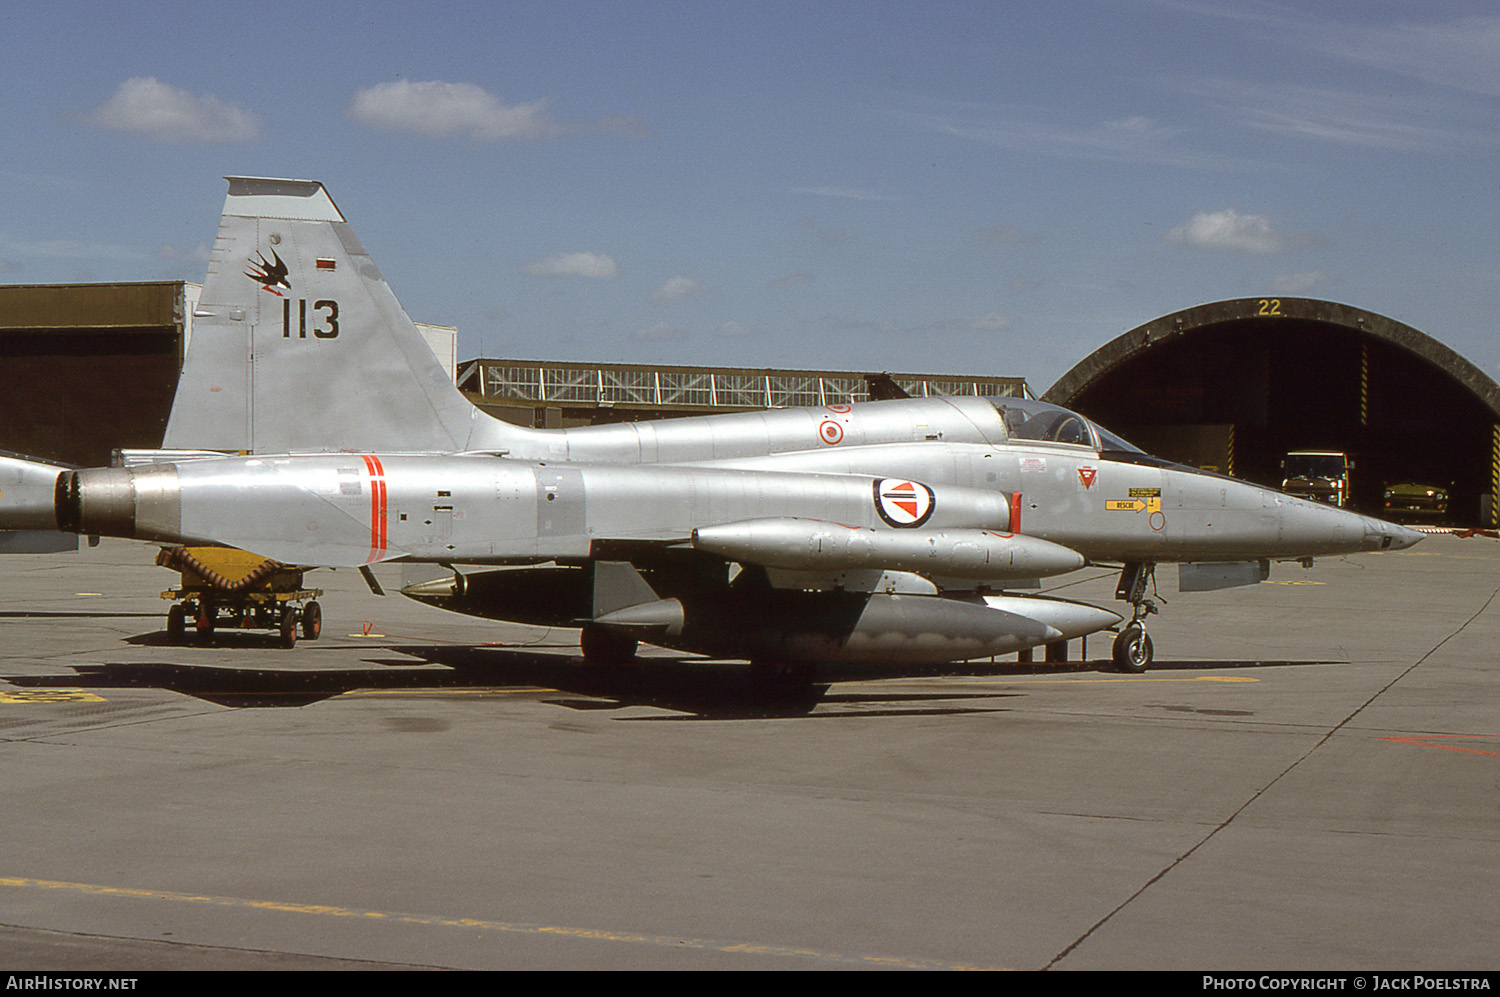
(1296,582)
(49,696)
(1001,680)
(508,927)
(447,692)
(1443,553)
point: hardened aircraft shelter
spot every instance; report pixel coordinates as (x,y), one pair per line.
(1235,385)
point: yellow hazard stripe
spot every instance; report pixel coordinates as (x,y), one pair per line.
(1495,476)
(49,696)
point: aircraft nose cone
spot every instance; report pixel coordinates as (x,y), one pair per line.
(1312,528)
(1381,535)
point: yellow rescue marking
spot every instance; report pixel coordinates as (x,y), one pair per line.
(510,927)
(1133,505)
(49,696)
(88,593)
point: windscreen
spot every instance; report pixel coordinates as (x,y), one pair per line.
(1315,465)
(1030,421)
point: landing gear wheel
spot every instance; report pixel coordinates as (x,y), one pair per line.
(176,624)
(1132,650)
(603,646)
(288,627)
(312,621)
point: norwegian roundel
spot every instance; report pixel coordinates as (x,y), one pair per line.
(830,432)
(903,503)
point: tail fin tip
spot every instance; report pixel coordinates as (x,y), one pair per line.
(270,197)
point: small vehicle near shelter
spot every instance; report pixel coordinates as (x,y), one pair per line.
(1317,475)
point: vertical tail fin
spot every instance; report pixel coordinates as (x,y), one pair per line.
(299,343)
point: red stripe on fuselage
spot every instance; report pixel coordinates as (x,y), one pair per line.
(378,511)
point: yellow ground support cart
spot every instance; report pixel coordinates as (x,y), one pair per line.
(222,586)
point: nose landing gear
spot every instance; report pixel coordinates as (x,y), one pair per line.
(1132,649)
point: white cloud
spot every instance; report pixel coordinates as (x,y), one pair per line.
(1229,231)
(1133,139)
(738,330)
(445,110)
(146,106)
(595,265)
(463,110)
(1378,120)
(661,332)
(991,322)
(1459,53)
(678,288)
(795,279)
(1299,283)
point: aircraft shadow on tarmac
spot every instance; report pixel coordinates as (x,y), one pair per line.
(691,688)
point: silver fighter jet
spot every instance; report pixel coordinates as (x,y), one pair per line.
(313,426)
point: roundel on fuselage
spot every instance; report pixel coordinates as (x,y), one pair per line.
(903,503)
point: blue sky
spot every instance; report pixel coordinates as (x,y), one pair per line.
(950,187)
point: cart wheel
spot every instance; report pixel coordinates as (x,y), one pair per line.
(288,627)
(312,621)
(176,624)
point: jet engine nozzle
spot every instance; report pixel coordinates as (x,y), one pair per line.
(142,503)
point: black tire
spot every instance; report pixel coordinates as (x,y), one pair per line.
(312,621)
(176,624)
(602,646)
(1133,650)
(288,627)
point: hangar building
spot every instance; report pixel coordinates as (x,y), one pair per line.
(1235,385)
(90,367)
(551,395)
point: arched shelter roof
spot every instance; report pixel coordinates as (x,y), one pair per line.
(1139,341)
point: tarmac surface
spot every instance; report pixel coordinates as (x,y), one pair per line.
(1308,778)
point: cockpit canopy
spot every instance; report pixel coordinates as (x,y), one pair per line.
(1030,421)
